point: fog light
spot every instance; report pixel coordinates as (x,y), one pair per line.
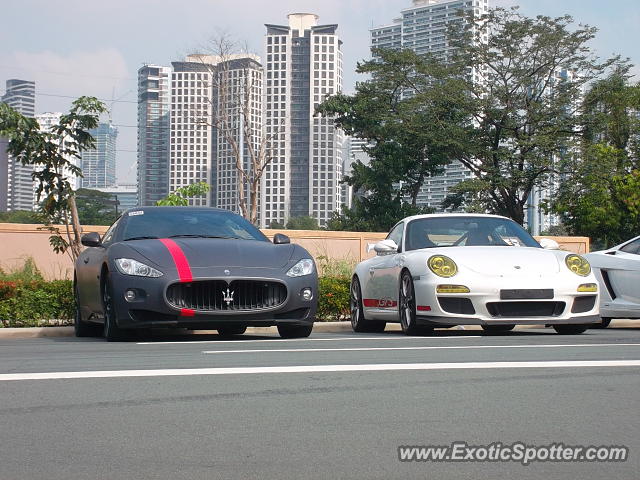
(130,295)
(306,294)
(452,289)
(588,287)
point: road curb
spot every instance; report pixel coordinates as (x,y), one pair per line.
(319,327)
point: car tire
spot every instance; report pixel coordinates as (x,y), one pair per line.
(295,331)
(407,307)
(605,323)
(497,328)
(358,322)
(80,328)
(111,331)
(229,331)
(570,329)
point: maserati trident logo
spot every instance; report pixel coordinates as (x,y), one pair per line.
(227,296)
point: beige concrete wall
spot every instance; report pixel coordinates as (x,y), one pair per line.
(18,241)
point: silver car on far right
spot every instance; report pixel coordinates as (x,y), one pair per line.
(618,271)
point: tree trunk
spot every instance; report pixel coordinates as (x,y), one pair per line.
(74,243)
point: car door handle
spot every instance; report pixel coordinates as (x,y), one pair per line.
(86,260)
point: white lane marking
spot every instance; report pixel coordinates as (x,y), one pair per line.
(182,372)
(399,337)
(447,347)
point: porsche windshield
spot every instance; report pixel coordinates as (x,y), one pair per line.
(466,231)
(178,222)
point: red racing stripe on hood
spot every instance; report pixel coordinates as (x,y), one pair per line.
(179,258)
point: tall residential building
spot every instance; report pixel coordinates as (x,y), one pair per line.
(303,67)
(422,28)
(16,184)
(153,133)
(198,150)
(47,122)
(99,163)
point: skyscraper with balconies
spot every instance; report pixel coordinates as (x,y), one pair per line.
(303,67)
(422,27)
(16,184)
(153,133)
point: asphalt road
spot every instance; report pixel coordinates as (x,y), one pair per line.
(332,406)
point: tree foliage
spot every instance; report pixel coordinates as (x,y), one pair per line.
(303,223)
(530,73)
(600,194)
(412,119)
(96,207)
(180,197)
(51,154)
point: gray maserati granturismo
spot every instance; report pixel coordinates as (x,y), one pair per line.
(195,268)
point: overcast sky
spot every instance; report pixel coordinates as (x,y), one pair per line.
(90,47)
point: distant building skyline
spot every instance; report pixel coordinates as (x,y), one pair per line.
(422,27)
(303,67)
(154,97)
(99,164)
(47,121)
(16,183)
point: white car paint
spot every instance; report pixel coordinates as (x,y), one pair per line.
(618,272)
(485,270)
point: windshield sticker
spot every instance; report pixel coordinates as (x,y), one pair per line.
(137,212)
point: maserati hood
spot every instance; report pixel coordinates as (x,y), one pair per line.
(216,252)
(505,261)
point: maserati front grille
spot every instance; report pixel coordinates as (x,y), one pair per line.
(220,296)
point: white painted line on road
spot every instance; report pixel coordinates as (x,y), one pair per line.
(183,372)
(399,337)
(440,347)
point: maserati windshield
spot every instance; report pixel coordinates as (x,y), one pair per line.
(188,223)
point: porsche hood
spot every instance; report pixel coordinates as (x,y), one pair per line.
(505,261)
(215,252)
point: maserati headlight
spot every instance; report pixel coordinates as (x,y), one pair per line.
(129,266)
(442,266)
(577,265)
(302,268)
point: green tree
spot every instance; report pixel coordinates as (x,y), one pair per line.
(276,225)
(524,108)
(21,216)
(95,207)
(51,154)
(181,196)
(600,196)
(411,113)
(303,223)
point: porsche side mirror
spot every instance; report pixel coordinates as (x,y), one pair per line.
(549,244)
(280,238)
(91,239)
(385,246)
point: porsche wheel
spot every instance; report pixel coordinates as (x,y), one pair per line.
(112,332)
(497,328)
(407,307)
(80,328)
(295,331)
(570,329)
(228,331)
(358,322)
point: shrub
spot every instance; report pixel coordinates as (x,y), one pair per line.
(29,272)
(333,298)
(36,303)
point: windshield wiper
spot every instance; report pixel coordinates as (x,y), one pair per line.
(185,235)
(144,237)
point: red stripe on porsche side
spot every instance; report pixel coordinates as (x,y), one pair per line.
(182,264)
(370,302)
(187,312)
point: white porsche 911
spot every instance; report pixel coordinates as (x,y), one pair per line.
(465,269)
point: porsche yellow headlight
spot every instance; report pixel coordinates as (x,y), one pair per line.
(577,265)
(588,287)
(442,266)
